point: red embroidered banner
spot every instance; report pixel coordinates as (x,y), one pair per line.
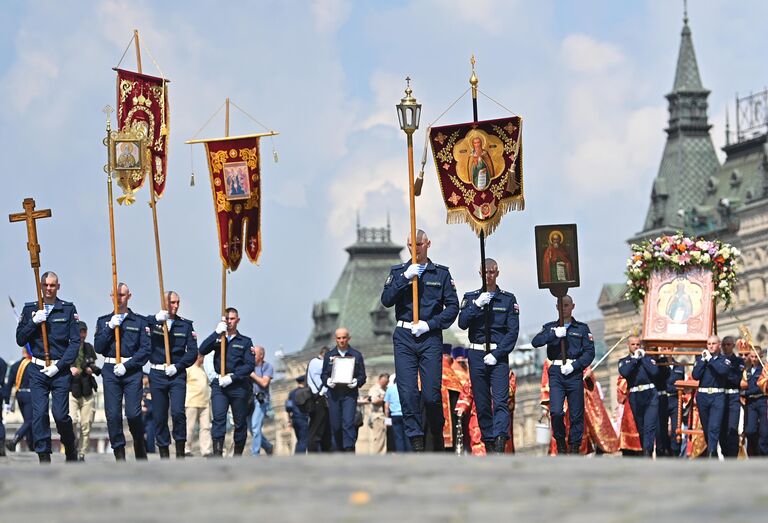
(142,103)
(480,169)
(235,170)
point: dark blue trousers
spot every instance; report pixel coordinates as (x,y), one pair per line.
(402,443)
(116,388)
(301,429)
(150,432)
(420,357)
(57,388)
(711,410)
(342,405)
(756,425)
(490,389)
(672,415)
(2,425)
(645,410)
(24,400)
(236,397)
(569,387)
(729,430)
(664,433)
(169,391)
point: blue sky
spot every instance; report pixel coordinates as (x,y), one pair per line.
(587,76)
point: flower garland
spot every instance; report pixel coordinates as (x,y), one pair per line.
(679,253)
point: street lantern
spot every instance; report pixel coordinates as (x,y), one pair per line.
(408,110)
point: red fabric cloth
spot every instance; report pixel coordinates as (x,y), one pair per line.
(238,218)
(143,100)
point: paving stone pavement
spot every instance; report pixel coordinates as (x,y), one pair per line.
(395,488)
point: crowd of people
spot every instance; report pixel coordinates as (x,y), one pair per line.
(434,401)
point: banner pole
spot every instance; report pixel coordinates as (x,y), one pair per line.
(223,365)
(108,143)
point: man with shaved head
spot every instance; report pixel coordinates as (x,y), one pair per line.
(48,380)
(711,371)
(122,379)
(168,381)
(729,430)
(342,397)
(418,346)
(640,371)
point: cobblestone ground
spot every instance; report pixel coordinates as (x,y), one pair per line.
(422,488)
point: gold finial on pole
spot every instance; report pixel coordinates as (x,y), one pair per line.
(473,80)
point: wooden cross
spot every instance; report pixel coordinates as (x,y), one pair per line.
(30,215)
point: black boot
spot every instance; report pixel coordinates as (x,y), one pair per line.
(140,449)
(218,448)
(417,444)
(239,447)
(119,453)
(44,457)
(499,444)
(164,452)
(11,445)
(489,448)
(575,448)
(181,450)
(2,448)
(647,453)
(561,446)
(71,454)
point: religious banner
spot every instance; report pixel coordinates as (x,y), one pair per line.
(142,108)
(480,170)
(234,165)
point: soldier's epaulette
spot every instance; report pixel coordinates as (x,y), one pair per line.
(441,266)
(507,293)
(67,303)
(477,291)
(31,304)
(399,265)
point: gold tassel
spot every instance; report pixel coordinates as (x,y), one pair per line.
(192,179)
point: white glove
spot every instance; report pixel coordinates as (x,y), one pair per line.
(119,369)
(225,381)
(50,370)
(387,422)
(353,383)
(640,353)
(330,383)
(483,300)
(6,408)
(420,328)
(706,355)
(490,359)
(221,328)
(162,316)
(115,321)
(412,271)
(170,370)
(566,369)
(560,332)
(39,317)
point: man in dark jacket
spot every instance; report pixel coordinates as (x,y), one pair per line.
(82,398)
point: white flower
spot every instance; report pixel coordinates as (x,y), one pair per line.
(723,284)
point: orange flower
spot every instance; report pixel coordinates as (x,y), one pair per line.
(681,247)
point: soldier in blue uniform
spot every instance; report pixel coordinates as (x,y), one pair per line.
(418,348)
(18,378)
(489,371)
(566,378)
(342,398)
(756,415)
(711,371)
(61,320)
(234,388)
(669,373)
(169,382)
(729,430)
(3,399)
(641,371)
(123,379)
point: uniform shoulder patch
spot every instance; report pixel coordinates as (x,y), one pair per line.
(591,338)
(464,302)
(516,308)
(389,279)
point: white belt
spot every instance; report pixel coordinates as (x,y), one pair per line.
(711,390)
(481,346)
(731,391)
(404,324)
(114,360)
(663,393)
(560,362)
(23,390)
(157,366)
(641,388)
(756,396)
(40,362)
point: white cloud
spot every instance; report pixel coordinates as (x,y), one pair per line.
(385,87)
(583,54)
(29,79)
(330,15)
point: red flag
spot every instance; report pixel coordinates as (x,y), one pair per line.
(142,102)
(480,169)
(234,165)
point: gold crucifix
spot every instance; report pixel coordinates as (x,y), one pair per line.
(30,215)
